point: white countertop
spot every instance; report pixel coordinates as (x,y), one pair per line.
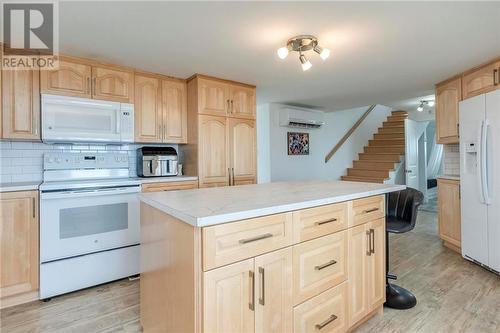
(19,186)
(166,179)
(450,177)
(210,206)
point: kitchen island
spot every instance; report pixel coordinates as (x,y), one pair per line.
(277,257)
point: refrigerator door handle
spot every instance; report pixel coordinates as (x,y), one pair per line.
(484,163)
(479,157)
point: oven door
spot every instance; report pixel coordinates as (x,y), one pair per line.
(86,221)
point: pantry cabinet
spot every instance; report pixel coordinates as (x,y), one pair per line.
(21,105)
(448,95)
(242,150)
(70,79)
(481,80)
(213,152)
(449,221)
(18,247)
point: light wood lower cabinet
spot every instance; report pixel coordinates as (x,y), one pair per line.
(169,186)
(449,221)
(254,276)
(18,247)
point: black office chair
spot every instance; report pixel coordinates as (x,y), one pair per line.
(401,215)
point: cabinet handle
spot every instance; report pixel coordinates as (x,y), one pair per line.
(325,265)
(232,107)
(325,222)
(369,248)
(251,279)
(262,300)
(88,85)
(228,106)
(93,85)
(232,176)
(372,240)
(326,322)
(34,212)
(254,239)
(370,210)
(495,72)
(229,175)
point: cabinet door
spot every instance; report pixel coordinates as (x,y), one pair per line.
(113,84)
(174,105)
(242,102)
(273,292)
(18,243)
(70,79)
(242,145)
(21,104)
(358,247)
(449,211)
(447,97)
(213,154)
(147,109)
(481,80)
(229,298)
(213,97)
(375,272)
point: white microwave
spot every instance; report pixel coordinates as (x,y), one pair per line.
(72,119)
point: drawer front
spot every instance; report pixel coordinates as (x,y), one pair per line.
(319,221)
(318,265)
(368,209)
(227,243)
(170,186)
(325,313)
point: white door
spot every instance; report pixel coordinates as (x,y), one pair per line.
(411,154)
(473,208)
(493,179)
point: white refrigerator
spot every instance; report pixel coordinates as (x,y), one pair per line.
(480,178)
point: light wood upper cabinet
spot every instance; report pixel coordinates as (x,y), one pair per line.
(174,104)
(112,84)
(242,102)
(448,95)
(213,152)
(449,213)
(21,105)
(273,292)
(70,79)
(481,80)
(213,97)
(18,244)
(229,298)
(242,145)
(147,109)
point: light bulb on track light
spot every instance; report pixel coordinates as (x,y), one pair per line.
(306,64)
(282,52)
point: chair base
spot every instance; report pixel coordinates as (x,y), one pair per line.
(399,298)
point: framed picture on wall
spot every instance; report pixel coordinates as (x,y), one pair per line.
(298,143)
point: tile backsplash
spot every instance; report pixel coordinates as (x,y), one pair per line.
(23,161)
(451,159)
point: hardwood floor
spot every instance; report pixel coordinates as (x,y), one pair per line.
(453,296)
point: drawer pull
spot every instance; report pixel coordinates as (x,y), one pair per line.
(326,322)
(251,279)
(320,267)
(370,210)
(253,239)
(325,222)
(262,300)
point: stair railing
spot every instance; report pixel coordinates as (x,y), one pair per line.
(349,132)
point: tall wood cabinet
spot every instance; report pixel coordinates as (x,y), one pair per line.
(18,247)
(21,105)
(221,116)
(449,221)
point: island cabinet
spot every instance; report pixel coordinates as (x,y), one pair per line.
(318,269)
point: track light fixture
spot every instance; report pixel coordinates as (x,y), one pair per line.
(430,103)
(301,44)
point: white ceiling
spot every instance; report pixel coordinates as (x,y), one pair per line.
(381,51)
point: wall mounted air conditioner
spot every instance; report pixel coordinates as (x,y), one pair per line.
(301,118)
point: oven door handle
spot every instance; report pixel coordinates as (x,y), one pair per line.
(88,193)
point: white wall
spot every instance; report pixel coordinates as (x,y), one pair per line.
(274,164)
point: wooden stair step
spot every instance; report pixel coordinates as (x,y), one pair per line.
(397,118)
(398,123)
(396,158)
(385,149)
(394,129)
(368,173)
(389,136)
(398,113)
(385,143)
(363,179)
(373,165)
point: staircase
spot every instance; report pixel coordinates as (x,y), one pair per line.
(383,153)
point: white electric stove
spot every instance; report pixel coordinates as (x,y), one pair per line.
(89,221)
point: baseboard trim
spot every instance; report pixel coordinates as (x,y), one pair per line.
(13,300)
